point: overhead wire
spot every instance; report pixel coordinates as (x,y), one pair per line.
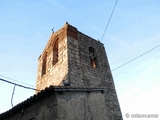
(15,84)
(135,58)
(109,20)
(17,81)
(111,70)
(13,95)
(18,84)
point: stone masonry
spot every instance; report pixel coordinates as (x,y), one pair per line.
(74,59)
(60,103)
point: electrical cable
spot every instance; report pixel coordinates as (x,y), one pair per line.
(17,81)
(135,58)
(109,19)
(13,95)
(18,84)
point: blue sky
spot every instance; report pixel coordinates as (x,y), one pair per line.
(25,27)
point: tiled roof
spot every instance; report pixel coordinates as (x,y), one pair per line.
(47,91)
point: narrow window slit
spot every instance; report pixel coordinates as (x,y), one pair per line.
(55,52)
(92,56)
(44,64)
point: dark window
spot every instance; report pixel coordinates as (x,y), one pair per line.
(92,54)
(55,52)
(44,64)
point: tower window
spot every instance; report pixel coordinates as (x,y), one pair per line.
(92,54)
(55,52)
(44,64)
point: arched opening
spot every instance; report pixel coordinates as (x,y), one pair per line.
(92,54)
(44,64)
(55,52)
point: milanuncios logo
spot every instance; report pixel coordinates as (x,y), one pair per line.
(137,115)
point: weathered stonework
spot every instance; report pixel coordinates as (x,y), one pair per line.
(76,68)
(57,72)
(74,64)
(62,105)
(82,62)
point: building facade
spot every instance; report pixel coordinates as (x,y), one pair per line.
(82,87)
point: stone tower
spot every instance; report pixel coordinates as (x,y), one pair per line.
(73,59)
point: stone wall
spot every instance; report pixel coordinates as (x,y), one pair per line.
(55,72)
(75,66)
(40,109)
(82,74)
(64,106)
(82,106)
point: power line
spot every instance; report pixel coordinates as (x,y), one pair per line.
(13,95)
(18,84)
(16,81)
(109,19)
(15,84)
(135,58)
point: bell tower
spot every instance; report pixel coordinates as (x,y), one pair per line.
(76,60)
(53,63)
